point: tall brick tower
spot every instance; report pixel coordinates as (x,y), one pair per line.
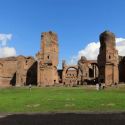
(48,59)
(108,59)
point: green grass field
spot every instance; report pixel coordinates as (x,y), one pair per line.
(61,99)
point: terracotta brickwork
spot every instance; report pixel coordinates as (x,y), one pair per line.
(26,71)
(108,59)
(47,59)
(7,71)
(17,71)
(109,68)
(85,72)
(69,74)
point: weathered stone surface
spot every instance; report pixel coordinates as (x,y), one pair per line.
(108,59)
(7,71)
(48,59)
(15,71)
(109,68)
(69,74)
(26,71)
(86,71)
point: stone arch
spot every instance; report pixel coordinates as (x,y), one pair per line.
(71,75)
(72,67)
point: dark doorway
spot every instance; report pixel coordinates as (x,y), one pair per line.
(13,80)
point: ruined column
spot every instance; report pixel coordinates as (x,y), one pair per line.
(48,59)
(108,59)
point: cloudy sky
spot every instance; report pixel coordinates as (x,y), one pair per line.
(78,24)
(91,51)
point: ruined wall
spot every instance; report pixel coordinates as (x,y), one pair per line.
(26,71)
(71,77)
(108,59)
(121,69)
(18,71)
(83,70)
(87,71)
(48,59)
(7,71)
(69,74)
(21,70)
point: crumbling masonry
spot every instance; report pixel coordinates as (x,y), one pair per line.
(109,68)
(108,59)
(47,60)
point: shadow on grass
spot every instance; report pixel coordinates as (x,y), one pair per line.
(64,119)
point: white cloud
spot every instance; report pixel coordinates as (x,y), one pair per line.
(91,51)
(6,51)
(4,38)
(120,45)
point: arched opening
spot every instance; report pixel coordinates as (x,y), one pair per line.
(13,80)
(71,75)
(31,77)
(93,73)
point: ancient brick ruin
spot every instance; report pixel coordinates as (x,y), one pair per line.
(18,71)
(109,68)
(108,59)
(47,59)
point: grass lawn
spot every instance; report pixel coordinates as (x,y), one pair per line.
(61,99)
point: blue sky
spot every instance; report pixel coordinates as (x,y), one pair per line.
(77,22)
